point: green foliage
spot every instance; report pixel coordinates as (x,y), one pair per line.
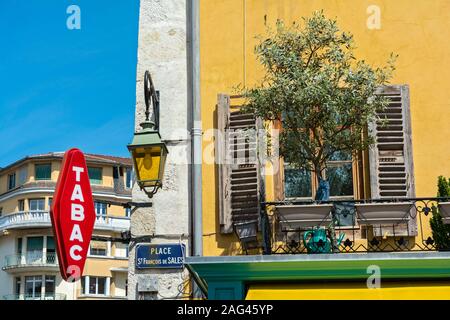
(441,231)
(321,93)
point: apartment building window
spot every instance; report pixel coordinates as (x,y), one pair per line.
(1,211)
(33,287)
(11,181)
(21,205)
(19,246)
(95,175)
(43,171)
(50,200)
(299,183)
(23,175)
(50,282)
(95,285)
(129,178)
(100,208)
(98,248)
(128,212)
(17,286)
(36,204)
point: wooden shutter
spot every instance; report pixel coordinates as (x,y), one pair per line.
(237,158)
(391,161)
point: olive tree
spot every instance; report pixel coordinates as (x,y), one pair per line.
(322,95)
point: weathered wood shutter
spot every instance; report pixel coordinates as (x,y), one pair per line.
(391,160)
(237,159)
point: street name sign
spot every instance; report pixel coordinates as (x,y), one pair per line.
(160,256)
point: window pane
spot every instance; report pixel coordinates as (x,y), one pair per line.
(297,183)
(21,205)
(101,286)
(341,156)
(49,285)
(100,208)
(43,171)
(129,177)
(11,181)
(37,204)
(17,286)
(92,285)
(23,175)
(341,180)
(35,244)
(95,175)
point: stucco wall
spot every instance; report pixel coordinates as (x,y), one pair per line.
(162,51)
(416,30)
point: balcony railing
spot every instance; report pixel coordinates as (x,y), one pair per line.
(41,219)
(392,225)
(30,259)
(56,296)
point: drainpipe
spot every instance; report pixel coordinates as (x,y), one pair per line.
(193,39)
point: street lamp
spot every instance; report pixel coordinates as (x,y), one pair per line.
(148,151)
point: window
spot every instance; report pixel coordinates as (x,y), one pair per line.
(1,211)
(19,246)
(297,183)
(129,178)
(50,200)
(100,208)
(94,285)
(35,244)
(37,204)
(340,175)
(95,175)
(43,171)
(21,205)
(11,181)
(17,285)
(23,175)
(128,212)
(51,250)
(50,286)
(98,248)
(33,287)
(301,183)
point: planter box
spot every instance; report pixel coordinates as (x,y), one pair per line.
(383,213)
(444,210)
(304,216)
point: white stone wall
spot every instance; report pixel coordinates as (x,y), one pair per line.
(162,51)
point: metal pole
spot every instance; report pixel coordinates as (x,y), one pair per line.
(196,131)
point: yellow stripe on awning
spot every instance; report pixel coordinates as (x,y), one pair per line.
(351,291)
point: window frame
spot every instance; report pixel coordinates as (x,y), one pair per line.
(42,164)
(13,177)
(36,199)
(96,182)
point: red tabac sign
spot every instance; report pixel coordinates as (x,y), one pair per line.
(73,215)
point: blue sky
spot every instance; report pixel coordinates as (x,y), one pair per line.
(62,88)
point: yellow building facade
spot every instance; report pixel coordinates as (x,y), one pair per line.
(27,248)
(415,30)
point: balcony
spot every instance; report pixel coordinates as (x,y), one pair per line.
(31,261)
(354,226)
(41,219)
(57,296)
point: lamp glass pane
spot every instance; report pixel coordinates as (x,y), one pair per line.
(148,162)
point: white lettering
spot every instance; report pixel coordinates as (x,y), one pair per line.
(74,256)
(77,194)
(77,212)
(76,233)
(78,172)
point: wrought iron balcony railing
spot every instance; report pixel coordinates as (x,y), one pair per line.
(348,226)
(48,296)
(30,259)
